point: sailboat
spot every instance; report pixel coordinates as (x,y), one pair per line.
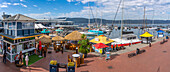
(127,37)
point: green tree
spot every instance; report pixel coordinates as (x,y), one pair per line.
(84,45)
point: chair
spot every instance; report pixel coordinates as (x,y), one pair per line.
(69,59)
(82,59)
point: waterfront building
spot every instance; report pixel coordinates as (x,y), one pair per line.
(18,35)
(56,23)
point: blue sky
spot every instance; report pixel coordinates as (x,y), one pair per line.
(106,9)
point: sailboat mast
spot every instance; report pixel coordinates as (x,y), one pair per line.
(89,14)
(101,19)
(153,17)
(96,18)
(122,19)
(144,17)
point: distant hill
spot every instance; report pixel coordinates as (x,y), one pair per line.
(85,20)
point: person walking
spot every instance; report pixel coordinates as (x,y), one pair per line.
(62,50)
(137,51)
(20,57)
(44,52)
(4,57)
(26,59)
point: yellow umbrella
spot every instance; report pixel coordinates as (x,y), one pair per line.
(57,38)
(146,34)
(101,39)
(44,36)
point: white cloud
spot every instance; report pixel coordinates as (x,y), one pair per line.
(23,5)
(39,15)
(133,9)
(69,0)
(77,3)
(47,13)
(16,3)
(35,5)
(3,6)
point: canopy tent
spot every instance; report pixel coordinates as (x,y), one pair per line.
(46,36)
(57,38)
(45,40)
(75,35)
(146,34)
(100,45)
(45,31)
(39,26)
(160,31)
(101,39)
(58,30)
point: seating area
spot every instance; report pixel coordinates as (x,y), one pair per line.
(78,60)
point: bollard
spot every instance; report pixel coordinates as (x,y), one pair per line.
(149,44)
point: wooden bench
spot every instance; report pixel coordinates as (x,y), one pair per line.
(161,42)
(142,51)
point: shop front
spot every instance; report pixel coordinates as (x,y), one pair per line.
(15,46)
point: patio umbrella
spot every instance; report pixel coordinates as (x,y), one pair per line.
(45,40)
(58,30)
(45,31)
(57,38)
(100,45)
(44,36)
(75,35)
(101,39)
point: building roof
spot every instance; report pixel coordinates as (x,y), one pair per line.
(19,17)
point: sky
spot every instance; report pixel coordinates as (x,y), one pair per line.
(106,9)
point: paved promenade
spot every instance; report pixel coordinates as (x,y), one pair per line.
(155,59)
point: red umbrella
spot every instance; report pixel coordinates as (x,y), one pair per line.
(40,46)
(100,45)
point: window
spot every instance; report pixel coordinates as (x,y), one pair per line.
(19,25)
(6,25)
(31,31)
(26,32)
(19,33)
(9,32)
(5,31)
(13,25)
(13,32)
(9,25)
(26,25)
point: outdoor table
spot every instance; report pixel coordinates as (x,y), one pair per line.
(75,57)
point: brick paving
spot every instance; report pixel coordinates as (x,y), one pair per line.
(155,59)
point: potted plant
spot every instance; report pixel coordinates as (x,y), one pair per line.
(84,46)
